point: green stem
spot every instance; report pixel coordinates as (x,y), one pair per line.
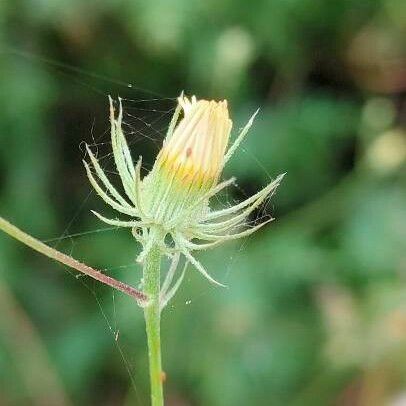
(152,322)
(44,249)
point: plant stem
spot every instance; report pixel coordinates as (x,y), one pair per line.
(152,266)
(44,249)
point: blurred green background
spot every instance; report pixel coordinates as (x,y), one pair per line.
(315,312)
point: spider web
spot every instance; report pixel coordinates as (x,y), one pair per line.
(145,121)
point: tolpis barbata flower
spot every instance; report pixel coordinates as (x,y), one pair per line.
(171,205)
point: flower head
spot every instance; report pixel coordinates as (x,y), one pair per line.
(190,161)
(194,153)
(173,199)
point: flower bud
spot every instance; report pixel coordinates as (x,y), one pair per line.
(169,208)
(191,159)
(195,150)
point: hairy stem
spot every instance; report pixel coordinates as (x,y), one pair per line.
(152,266)
(44,249)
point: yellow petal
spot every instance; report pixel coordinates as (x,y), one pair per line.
(195,151)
